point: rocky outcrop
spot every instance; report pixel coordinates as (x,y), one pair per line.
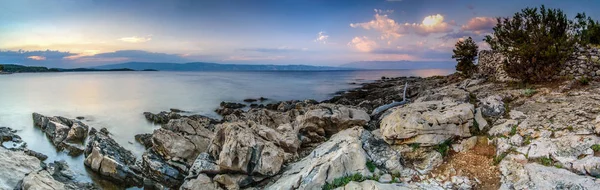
(167,172)
(518,174)
(492,106)
(14,165)
(323,120)
(427,123)
(161,117)
(144,139)
(110,160)
(182,139)
(340,156)
(66,134)
(56,175)
(585,62)
(249,148)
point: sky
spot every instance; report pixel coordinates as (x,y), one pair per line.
(87,33)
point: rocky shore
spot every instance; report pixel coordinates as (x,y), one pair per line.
(453,133)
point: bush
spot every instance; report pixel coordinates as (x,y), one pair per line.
(584,80)
(1,67)
(596,147)
(371,166)
(465,53)
(443,148)
(536,42)
(589,29)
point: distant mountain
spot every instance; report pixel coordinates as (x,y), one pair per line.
(201,66)
(400,65)
(12,68)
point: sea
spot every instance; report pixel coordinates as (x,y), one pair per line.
(116,100)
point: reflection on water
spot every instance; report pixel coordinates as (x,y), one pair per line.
(116,100)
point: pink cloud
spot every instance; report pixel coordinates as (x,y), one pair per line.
(479,24)
(37,57)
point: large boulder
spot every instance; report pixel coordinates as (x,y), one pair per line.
(323,120)
(383,155)
(427,123)
(161,117)
(248,148)
(201,182)
(14,165)
(65,134)
(340,156)
(163,171)
(110,160)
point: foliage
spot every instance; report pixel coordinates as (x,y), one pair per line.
(414,146)
(529,92)
(589,31)
(513,130)
(342,181)
(584,80)
(499,158)
(596,147)
(527,140)
(443,148)
(546,161)
(1,67)
(465,53)
(536,42)
(371,166)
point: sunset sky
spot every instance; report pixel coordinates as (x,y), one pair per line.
(84,33)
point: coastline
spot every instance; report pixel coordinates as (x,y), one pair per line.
(275,145)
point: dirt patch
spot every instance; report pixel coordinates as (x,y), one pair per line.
(477,163)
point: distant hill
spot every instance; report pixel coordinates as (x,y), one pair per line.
(400,65)
(201,66)
(12,68)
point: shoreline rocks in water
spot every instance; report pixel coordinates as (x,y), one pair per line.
(110,160)
(65,134)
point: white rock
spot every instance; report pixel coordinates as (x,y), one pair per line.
(481,122)
(516,140)
(465,145)
(14,165)
(386,178)
(504,128)
(493,106)
(516,115)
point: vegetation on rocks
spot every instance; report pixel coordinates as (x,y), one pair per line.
(536,42)
(590,29)
(465,52)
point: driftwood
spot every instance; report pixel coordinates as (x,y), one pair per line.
(383,108)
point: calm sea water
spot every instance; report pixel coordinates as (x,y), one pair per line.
(116,100)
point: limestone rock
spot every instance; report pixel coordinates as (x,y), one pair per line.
(589,165)
(424,161)
(56,175)
(493,106)
(202,182)
(14,165)
(65,134)
(109,159)
(481,122)
(504,128)
(381,153)
(324,120)
(427,123)
(238,147)
(518,174)
(340,156)
(465,145)
(160,170)
(373,185)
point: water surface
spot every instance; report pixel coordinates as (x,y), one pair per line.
(116,100)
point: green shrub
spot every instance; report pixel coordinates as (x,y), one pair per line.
(465,53)
(584,80)
(527,140)
(443,148)
(499,158)
(596,147)
(536,42)
(1,67)
(546,161)
(529,92)
(414,146)
(342,181)
(371,166)
(513,130)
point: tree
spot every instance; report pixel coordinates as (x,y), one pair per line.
(1,67)
(465,53)
(589,29)
(536,42)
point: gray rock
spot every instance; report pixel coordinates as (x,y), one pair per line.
(340,156)
(56,175)
(144,139)
(14,165)
(383,155)
(465,145)
(424,161)
(427,123)
(324,120)
(160,170)
(110,160)
(492,106)
(589,165)
(504,128)
(481,122)
(386,178)
(201,182)
(65,134)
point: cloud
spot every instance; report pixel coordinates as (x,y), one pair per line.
(322,37)
(391,30)
(363,44)
(282,49)
(135,39)
(432,24)
(479,25)
(37,57)
(252,58)
(388,28)
(380,11)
